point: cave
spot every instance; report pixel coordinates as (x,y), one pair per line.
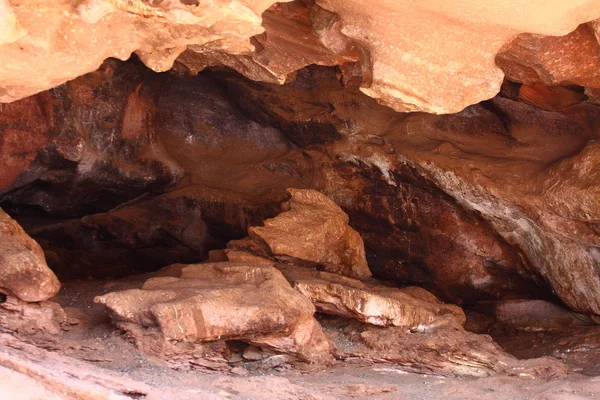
(312,199)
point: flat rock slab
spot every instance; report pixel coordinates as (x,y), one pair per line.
(412,307)
(23,269)
(224,301)
(315,229)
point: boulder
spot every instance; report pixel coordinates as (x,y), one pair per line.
(23,269)
(315,229)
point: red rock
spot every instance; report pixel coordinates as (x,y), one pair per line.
(572,59)
(23,269)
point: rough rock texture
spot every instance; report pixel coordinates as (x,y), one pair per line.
(315,229)
(215,301)
(412,308)
(23,269)
(88,140)
(61,40)
(435,56)
(445,351)
(572,59)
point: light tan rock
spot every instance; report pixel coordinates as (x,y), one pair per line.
(215,301)
(438,56)
(315,229)
(23,269)
(66,39)
(373,304)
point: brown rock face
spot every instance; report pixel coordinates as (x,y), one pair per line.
(315,229)
(23,269)
(224,301)
(572,59)
(373,304)
(89,139)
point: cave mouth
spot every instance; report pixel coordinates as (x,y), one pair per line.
(138,183)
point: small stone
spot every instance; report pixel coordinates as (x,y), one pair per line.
(253,353)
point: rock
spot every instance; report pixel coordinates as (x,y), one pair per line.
(550,98)
(537,315)
(253,353)
(42,321)
(65,40)
(224,301)
(89,139)
(23,269)
(572,59)
(315,229)
(288,44)
(370,303)
(446,351)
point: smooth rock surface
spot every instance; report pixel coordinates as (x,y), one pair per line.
(315,229)
(23,269)
(215,301)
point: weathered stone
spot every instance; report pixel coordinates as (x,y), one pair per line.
(572,59)
(23,269)
(65,40)
(287,45)
(446,351)
(537,315)
(87,141)
(227,301)
(315,229)
(371,303)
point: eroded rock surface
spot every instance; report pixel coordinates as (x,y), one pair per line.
(411,308)
(223,301)
(23,269)
(405,63)
(445,351)
(315,229)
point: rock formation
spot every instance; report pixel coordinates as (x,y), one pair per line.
(223,301)
(23,269)
(315,229)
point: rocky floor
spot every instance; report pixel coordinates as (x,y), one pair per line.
(92,355)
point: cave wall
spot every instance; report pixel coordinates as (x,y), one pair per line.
(171,167)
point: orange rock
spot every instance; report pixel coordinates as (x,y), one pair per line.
(23,269)
(315,229)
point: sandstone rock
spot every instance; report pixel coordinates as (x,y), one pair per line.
(537,315)
(572,59)
(550,98)
(23,269)
(287,45)
(224,301)
(87,140)
(65,40)
(370,303)
(393,41)
(315,229)
(445,351)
